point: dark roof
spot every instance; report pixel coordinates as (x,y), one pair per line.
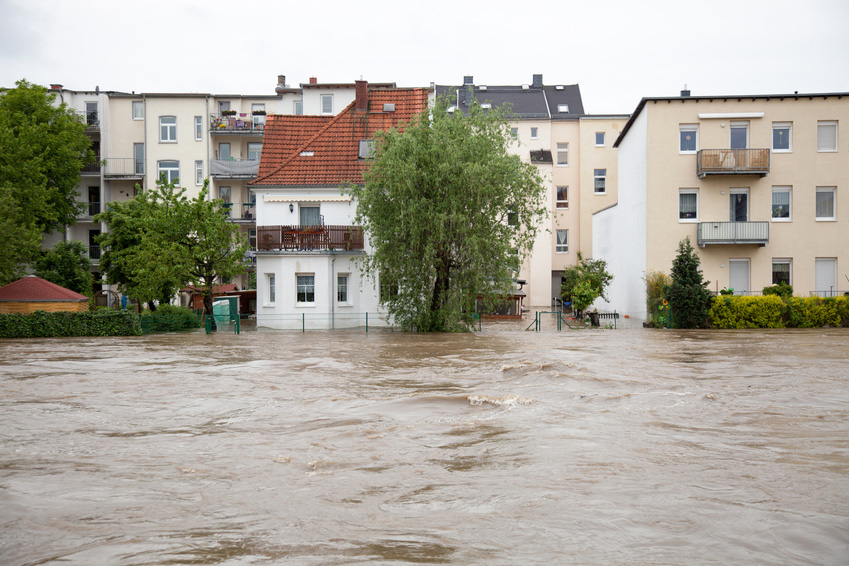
(723,97)
(32,288)
(529,102)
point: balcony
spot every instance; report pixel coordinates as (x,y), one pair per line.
(234,168)
(123,168)
(310,238)
(94,253)
(92,168)
(732,162)
(754,233)
(241,212)
(91,119)
(237,124)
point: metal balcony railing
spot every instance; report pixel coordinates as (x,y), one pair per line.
(756,233)
(234,168)
(92,168)
(732,162)
(94,252)
(829,293)
(91,119)
(236,124)
(123,167)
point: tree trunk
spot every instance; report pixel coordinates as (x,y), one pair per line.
(207,305)
(151,305)
(440,292)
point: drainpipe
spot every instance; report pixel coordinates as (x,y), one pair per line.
(332,302)
(208,161)
(144,157)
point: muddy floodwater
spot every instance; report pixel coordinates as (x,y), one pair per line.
(583,447)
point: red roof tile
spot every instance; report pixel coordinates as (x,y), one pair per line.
(316,150)
(34,288)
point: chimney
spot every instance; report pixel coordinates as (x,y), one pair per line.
(685,92)
(55,87)
(537,81)
(361,101)
(468,80)
(313,81)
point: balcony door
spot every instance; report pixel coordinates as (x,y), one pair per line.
(739,135)
(738,276)
(739,205)
(825,272)
(93,201)
(310,215)
(224,151)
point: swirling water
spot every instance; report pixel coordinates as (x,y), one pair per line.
(590,447)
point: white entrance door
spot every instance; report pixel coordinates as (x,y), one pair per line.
(738,276)
(826,276)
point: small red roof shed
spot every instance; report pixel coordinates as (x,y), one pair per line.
(34,293)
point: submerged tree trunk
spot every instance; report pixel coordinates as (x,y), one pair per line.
(207,305)
(440,295)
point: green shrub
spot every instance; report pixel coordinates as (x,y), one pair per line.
(169,318)
(41,324)
(747,312)
(815,312)
(656,281)
(781,289)
(687,294)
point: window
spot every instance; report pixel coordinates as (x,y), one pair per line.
(167,129)
(600,181)
(599,139)
(688,205)
(272,290)
(514,133)
(827,136)
(310,215)
(534,133)
(198,128)
(366,149)
(564,108)
(138,158)
(739,135)
(562,245)
(252,238)
(738,205)
(224,193)
(224,151)
(198,173)
(512,218)
(171,170)
(826,197)
(562,197)
(138,110)
(223,106)
(781,204)
(258,114)
(298,108)
(258,107)
(327,104)
(562,154)
(306,289)
(781,137)
(688,135)
(254,151)
(388,288)
(781,271)
(342,288)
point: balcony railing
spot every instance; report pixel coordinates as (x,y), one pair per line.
(829,293)
(94,252)
(123,167)
(234,168)
(241,211)
(92,168)
(756,233)
(292,238)
(236,124)
(732,162)
(91,119)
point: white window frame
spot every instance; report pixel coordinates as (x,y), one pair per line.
(597,142)
(534,133)
(782,260)
(564,247)
(562,154)
(271,283)
(694,128)
(739,125)
(600,175)
(252,149)
(561,204)
(821,126)
(307,282)
(833,192)
(322,99)
(740,191)
(783,126)
(169,171)
(138,109)
(514,133)
(170,129)
(694,219)
(781,189)
(346,300)
(199,173)
(298,107)
(198,128)
(563,108)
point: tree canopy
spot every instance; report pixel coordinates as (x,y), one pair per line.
(43,148)
(161,241)
(21,239)
(585,282)
(449,213)
(67,264)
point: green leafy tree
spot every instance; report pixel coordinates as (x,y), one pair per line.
(43,148)
(590,277)
(447,209)
(67,264)
(21,239)
(687,294)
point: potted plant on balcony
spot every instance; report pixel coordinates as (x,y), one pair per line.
(228,112)
(258,113)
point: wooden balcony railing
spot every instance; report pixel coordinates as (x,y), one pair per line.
(732,162)
(309,238)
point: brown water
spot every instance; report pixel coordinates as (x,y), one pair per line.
(590,447)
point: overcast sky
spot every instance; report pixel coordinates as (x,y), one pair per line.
(618,51)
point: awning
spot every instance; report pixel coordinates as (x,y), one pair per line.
(306,198)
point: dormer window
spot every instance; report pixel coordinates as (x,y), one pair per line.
(563,108)
(366,149)
(486,105)
(307,153)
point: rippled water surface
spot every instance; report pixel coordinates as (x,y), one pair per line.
(590,447)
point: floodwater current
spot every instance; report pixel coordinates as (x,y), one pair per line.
(585,447)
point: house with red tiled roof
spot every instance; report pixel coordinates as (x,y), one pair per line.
(33,293)
(307,244)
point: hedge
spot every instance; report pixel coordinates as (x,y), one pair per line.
(169,318)
(770,311)
(41,324)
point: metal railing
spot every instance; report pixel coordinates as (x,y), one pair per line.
(234,168)
(91,118)
(829,293)
(236,123)
(732,162)
(94,252)
(240,211)
(93,167)
(123,167)
(283,238)
(733,233)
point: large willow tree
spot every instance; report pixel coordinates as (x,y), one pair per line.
(449,212)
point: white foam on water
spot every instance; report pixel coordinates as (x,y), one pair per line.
(506,400)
